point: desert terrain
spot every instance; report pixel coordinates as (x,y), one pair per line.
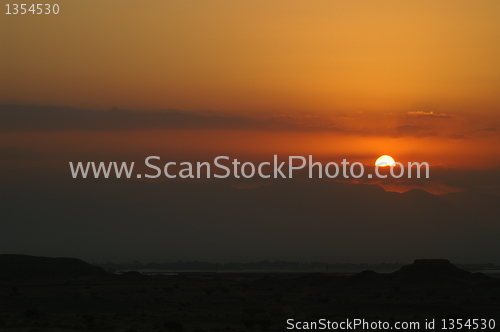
(66,294)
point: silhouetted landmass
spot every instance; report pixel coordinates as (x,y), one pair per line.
(267,266)
(424,290)
(15,268)
(251,266)
(24,269)
(435,270)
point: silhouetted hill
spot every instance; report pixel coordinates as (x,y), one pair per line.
(422,273)
(431,272)
(435,270)
(15,268)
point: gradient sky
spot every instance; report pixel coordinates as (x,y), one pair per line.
(417,80)
(256,56)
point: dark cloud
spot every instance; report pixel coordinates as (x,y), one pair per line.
(15,118)
(487,129)
(477,180)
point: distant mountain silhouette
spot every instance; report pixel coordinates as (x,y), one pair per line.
(422,273)
(117,220)
(32,269)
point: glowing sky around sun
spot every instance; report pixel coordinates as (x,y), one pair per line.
(416,80)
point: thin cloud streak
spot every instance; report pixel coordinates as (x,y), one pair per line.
(16,118)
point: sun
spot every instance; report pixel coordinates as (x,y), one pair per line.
(384,161)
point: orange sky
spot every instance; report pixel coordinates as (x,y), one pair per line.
(417,80)
(255,56)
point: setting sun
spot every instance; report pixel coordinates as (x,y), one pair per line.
(384,161)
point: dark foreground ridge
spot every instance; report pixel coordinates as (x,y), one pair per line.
(23,268)
(436,270)
(67,294)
